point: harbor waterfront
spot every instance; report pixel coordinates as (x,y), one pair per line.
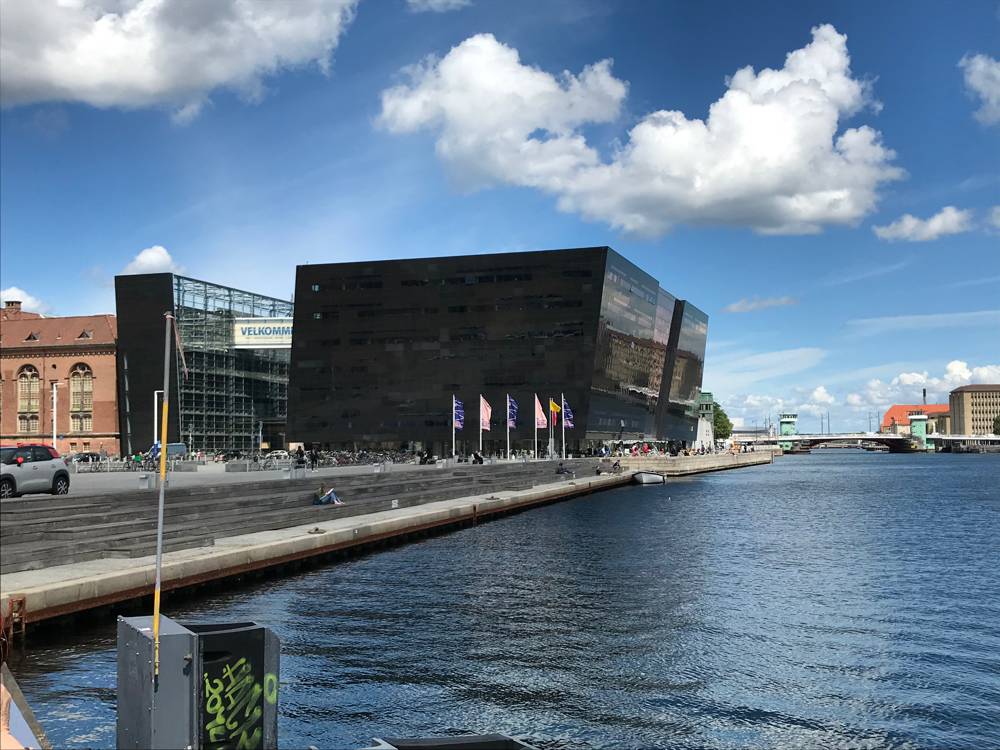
(839,599)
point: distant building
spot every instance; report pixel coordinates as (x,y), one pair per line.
(973,409)
(76,355)
(896,420)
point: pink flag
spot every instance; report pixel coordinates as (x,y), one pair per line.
(485,410)
(540,420)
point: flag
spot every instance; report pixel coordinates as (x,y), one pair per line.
(567,415)
(540,420)
(554,407)
(485,410)
(511,412)
(459,415)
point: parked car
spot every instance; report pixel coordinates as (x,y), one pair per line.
(28,468)
(87,457)
(278,455)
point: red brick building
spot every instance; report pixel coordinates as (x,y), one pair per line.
(76,353)
(897,417)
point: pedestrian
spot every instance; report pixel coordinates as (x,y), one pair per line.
(300,456)
(313,458)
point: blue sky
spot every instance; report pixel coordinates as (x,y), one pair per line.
(836,216)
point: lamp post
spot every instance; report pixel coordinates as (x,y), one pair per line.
(55,386)
(156,417)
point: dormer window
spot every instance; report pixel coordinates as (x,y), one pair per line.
(31,337)
(85,334)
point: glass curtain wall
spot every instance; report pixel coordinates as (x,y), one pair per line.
(230,395)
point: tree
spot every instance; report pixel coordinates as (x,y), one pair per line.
(721,425)
(996,425)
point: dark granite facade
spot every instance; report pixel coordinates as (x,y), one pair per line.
(380,347)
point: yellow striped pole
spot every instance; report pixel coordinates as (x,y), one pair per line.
(159,513)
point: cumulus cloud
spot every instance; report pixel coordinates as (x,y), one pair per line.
(436,6)
(821,396)
(949,220)
(153,259)
(994,219)
(982,79)
(139,53)
(29,302)
(757,303)
(907,387)
(770,154)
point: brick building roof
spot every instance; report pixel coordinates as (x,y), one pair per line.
(900,413)
(44,333)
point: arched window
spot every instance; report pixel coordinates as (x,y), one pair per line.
(81,398)
(28,387)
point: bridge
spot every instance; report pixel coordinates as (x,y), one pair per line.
(895,443)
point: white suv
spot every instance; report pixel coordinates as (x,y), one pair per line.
(32,468)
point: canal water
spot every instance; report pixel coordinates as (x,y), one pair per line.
(835,600)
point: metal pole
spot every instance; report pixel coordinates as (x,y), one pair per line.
(156,427)
(453,426)
(562,405)
(168,320)
(535,420)
(507,420)
(480,424)
(54,386)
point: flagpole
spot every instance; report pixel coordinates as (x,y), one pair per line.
(552,415)
(453,427)
(535,420)
(562,405)
(508,427)
(480,424)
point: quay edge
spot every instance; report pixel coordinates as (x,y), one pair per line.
(69,589)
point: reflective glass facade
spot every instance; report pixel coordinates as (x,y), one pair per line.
(380,348)
(230,396)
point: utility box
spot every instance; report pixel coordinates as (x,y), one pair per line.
(217,687)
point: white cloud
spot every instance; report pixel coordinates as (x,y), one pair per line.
(153,259)
(949,220)
(29,302)
(907,387)
(861,400)
(982,78)
(736,371)
(749,305)
(994,219)
(821,396)
(436,6)
(138,53)
(768,155)
(894,323)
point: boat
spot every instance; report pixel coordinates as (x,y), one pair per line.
(461,742)
(648,477)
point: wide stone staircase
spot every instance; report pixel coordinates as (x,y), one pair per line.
(43,531)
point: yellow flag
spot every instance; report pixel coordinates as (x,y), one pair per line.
(553,406)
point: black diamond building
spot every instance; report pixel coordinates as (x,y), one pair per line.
(380,347)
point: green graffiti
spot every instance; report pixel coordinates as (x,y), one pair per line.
(233,703)
(271,688)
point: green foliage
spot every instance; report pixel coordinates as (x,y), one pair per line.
(721,425)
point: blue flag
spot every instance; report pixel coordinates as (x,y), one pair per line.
(511,412)
(459,415)
(567,414)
